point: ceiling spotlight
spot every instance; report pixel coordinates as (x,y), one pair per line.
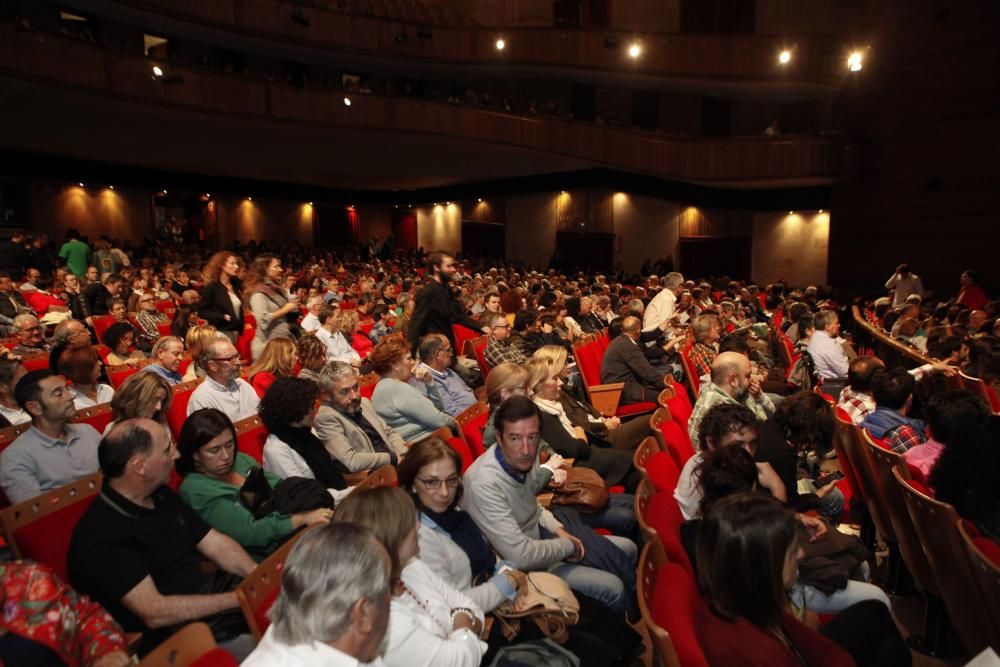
(447,203)
(80,184)
(157,72)
(785,57)
(249,198)
(111,187)
(500,44)
(791,213)
(480,200)
(309,203)
(854,61)
(164,191)
(635,50)
(821,210)
(208,194)
(347,101)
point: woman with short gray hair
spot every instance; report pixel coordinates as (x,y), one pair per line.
(333,608)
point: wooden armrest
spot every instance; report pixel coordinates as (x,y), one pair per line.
(605,397)
(355,478)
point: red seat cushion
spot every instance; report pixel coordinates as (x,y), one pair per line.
(675,601)
(663,472)
(473,431)
(217,657)
(46,540)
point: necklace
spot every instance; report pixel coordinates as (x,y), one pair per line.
(423,606)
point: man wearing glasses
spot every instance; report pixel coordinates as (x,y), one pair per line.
(148,318)
(31,340)
(436,353)
(223,388)
(500,349)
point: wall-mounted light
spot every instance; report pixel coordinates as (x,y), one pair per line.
(347,101)
(249,198)
(111,187)
(634,50)
(157,71)
(480,200)
(785,57)
(854,61)
(164,191)
(309,203)
(500,44)
(80,184)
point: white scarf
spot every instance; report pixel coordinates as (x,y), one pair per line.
(555,408)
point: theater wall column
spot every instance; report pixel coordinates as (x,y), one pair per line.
(531,228)
(791,247)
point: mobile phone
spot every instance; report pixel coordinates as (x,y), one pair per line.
(828,479)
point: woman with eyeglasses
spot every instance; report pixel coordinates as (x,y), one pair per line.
(120,337)
(454,548)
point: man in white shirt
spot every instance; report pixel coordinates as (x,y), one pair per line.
(333,610)
(310,322)
(827,350)
(223,387)
(661,309)
(337,346)
(904,283)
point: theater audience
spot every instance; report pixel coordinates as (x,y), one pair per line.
(215,472)
(333,605)
(351,430)
(223,388)
(53,452)
(435,310)
(30,336)
(893,393)
(966,474)
(902,284)
(82,367)
(292,449)
(827,352)
(947,414)
(149,318)
(142,396)
(312,357)
(68,333)
(500,488)
(11,414)
(220,304)
(338,348)
(411,410)
(270,303)
(856,398)
(706,330)
(310,322)
(501,348)
(436,356)
(155,543)
(195,340)
(167,354)
(625,362)
(430,622)
(79,308)
(120,338)
(278,360)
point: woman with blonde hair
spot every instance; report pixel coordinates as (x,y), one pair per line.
(585,416)
(220,304)
(195,341)
(430,622)
(277,360)
(142,396)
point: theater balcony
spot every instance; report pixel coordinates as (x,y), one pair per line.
(73,93)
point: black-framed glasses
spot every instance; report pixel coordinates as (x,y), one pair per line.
(433,483)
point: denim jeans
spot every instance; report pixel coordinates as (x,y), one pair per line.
(618,516)
(599,584)
(856,591)
(832,505)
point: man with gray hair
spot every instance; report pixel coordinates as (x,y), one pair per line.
(660,310)
(310,322)
(827,352)
(436,353)
(223,388)
(138,549)
(31,339)
(348,425)
(333,608)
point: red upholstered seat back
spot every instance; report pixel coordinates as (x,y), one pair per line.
(101,324)
(678,442)
(217,657)
(664,516)
(588,359)
(674,606)
(460,446)
(251,437)
(473,432)
(480,352)
(36,363)
(46,539)
(177,413)
(663,472)
(98,416)
(462,334)
(118,376)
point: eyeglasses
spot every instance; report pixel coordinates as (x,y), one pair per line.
(433,484)
(229,359)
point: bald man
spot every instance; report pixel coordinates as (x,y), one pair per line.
(624,361)
(732,382)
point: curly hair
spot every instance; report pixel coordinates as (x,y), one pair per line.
(288,401)
(311,350)
(347,321)
(387,353)
(723,472)
(511,301)
(212,269)
(807,421)
(257,272)
(722,419)
(114,334)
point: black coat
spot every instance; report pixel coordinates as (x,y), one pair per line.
(215,304)
(625,362)
(613,465)
(434,311)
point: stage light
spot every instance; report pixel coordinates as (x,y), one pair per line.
(111,187)
(785,57)
(821,210)
(80,184)
(347,101)
(854,61)
(157,72)
(249,198)
(164,191)
(635,50)
(480,200)
(501,44)
(309,203)
(791,213)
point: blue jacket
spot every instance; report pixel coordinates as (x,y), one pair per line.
(884,420)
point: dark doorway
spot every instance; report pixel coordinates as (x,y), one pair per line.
(483,240)
(583,101)
(586,252)
(645,109)
(717,16)
(716,117)
(332,226)
(716,257)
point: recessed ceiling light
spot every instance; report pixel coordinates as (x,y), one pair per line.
(785,57)
(500,44)
(635,50)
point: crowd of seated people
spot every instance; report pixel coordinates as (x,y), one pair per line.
(288,336)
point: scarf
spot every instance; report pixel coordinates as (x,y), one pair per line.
(466,534)
(272,292)
(555,408)
(302,440)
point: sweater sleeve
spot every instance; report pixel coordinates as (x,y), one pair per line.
(215,503)
(491,512)
(418,408)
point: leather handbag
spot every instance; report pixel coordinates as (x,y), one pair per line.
(548,602)
(584,489)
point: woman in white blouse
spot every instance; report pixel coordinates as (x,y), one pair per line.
(431,624)
(82,367)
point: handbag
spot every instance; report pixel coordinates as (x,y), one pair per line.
(256,494)
(548,601)
(584,489)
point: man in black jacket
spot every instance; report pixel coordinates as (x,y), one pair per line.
(13,254)
(625,362)
(436,310)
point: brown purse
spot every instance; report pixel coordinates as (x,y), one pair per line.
(549,602)
(584,489)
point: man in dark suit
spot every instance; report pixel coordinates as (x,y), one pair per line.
(436,309)
(624,361)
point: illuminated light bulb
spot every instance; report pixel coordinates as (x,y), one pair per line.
(785,57)
(501,44)
(854,61)
(157,72)
(347,101)
(635,50)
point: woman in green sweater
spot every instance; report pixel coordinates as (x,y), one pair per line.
(214,471)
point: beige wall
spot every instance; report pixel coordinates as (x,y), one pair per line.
(791,247)
(531,228)
(122,213)
(263,219)
(644,227)
(440,227)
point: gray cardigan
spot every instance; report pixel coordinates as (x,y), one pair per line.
(346,442)
(409,411)
(509,514)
